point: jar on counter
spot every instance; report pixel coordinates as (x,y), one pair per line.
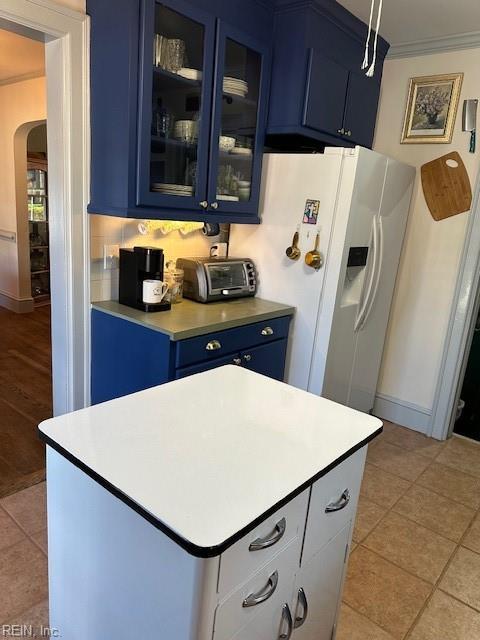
(174,278)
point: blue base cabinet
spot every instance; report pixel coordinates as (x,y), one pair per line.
(179,94)
(128,357)
(318,51)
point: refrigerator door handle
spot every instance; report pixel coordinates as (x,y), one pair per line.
(370,286)
(373,296)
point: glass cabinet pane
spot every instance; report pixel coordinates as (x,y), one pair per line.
(241,86)
(178,60)
(37,194)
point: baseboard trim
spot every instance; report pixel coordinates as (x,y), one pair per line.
(17,305)
(405,413)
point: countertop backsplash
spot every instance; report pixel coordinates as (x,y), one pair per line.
(108,230)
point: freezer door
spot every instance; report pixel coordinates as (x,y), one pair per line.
(371,332)
(355,283)
(288,181)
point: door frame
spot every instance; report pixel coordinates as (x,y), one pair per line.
(66,36)
(459,331)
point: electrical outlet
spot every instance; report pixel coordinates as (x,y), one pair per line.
(110,256)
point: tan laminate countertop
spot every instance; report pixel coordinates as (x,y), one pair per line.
(189,319)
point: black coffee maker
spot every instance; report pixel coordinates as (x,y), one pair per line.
(136,265)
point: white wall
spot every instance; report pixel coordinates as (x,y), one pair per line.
(107,230)
(78,5)
(20,102)
(430,260)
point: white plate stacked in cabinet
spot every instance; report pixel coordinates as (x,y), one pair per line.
(284,578)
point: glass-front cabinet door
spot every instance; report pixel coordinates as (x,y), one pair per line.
(239,123)
(175,105)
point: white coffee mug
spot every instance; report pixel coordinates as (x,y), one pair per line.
(219,250)
(154,291)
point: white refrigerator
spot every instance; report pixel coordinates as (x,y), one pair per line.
(362,200)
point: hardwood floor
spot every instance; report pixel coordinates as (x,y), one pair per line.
(25,396)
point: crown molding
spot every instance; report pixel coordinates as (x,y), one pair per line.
(22,77)
(441,44)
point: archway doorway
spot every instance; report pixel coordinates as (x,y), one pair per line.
(25,320)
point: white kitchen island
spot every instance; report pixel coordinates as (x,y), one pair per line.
(216,507)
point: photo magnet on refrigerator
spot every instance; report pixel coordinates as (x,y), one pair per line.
(310,213)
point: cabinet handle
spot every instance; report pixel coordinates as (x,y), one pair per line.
(213,345)
(203,204)
(264,594)
(247,357)
(302,601)
(237,361)
(339,504)
(271,538)
(341,130)
(214,205)
(349,133)
(268,331)
(286,619)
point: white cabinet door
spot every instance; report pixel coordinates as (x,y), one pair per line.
(317,590)
(275,623)
(333,503)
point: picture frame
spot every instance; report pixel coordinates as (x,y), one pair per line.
(431,109)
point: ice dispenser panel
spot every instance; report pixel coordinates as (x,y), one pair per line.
(357,256)
(354,276)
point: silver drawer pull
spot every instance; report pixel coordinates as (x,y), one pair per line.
(264,594)
(271,539)
(286,620)
(339,504)
(237,361)
(268,331)
(301,601)
(213,345)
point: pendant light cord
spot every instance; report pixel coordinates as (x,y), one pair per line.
(367,43)
(371,69)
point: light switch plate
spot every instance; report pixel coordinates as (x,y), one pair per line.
(110,256)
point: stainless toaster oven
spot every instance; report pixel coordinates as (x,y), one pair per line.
(212,279)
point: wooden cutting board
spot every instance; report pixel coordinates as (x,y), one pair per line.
(446,188)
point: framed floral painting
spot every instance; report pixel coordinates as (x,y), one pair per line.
(431,109)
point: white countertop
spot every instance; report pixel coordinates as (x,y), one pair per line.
(207,455)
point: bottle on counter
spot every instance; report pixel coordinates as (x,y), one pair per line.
(174,278)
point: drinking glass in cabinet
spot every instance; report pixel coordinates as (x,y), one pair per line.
(241,83)
(178,56)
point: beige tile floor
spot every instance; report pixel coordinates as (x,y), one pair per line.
(23,559)
(414,571)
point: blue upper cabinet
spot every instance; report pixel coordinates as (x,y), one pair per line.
(239,117)
(175,105)
(179,101)
(318,50)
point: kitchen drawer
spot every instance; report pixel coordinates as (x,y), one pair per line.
(231,616)
(267,359)
(330,492)
(214,345)
(239,562)
(233,358)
